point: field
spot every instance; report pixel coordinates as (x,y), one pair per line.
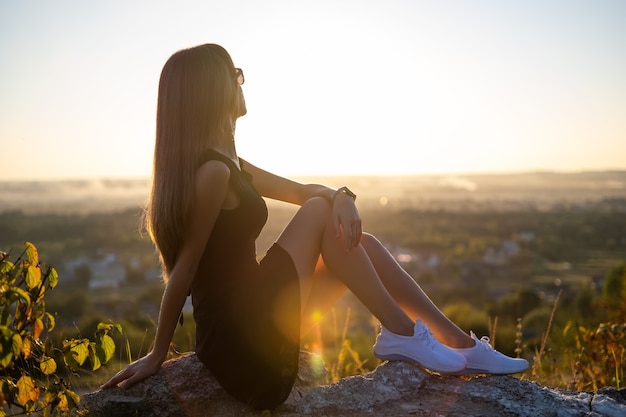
(528,259)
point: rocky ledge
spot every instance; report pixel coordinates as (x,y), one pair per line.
(184,387)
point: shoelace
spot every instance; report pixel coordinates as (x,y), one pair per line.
(426,336)
(486,343)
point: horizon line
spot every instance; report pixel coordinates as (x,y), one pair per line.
(344,175)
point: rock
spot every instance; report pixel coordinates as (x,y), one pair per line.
(184,387)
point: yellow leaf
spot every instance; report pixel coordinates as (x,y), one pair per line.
(42,293)
(105,326)
(31,253)
(49,397)
(94,358)
(80,351)
(27,390)
(27,348)
(48,365)
(108,346)
(37,328)
(33,276)
(62,404)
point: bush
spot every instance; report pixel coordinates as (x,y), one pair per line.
(31,367)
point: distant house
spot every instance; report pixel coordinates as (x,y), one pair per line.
(501,254)
(106,271)
(407,257)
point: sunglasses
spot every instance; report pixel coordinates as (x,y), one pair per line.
(239,76)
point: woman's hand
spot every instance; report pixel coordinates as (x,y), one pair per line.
(135,372)
(346,219)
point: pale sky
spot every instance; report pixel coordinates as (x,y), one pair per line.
(332,86)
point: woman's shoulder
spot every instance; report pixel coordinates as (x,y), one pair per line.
(213,154)
(213,173)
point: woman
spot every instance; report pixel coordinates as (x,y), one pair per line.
(204,214)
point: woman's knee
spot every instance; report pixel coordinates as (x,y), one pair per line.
(369,241)
(302,236)
(317,211)
(317,204)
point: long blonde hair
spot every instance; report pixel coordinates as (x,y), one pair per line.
(198,104)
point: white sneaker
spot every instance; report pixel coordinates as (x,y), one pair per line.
(421,348)
(484,359)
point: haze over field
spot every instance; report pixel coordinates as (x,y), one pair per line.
(501,191)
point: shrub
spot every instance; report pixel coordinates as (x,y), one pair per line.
(31,367)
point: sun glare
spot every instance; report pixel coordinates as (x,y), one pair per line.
(333,88)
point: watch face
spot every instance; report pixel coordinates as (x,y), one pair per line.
(348,192)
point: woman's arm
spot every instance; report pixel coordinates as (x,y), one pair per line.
(211,190)
(283,189)
(345,216)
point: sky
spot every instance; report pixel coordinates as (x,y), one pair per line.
(333,87)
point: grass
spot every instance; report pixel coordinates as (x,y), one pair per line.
(573,358)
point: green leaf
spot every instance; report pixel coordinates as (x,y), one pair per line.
(6,266)
(94,357)
(53,277)
(70,361)
(5,316)
(108,347)
(6,358)
(118,327)
(7,389)
(6,347)
(51,321)
(31,253)
(33,276)
(48,365)
(73,399)
(16,342)
(16,293)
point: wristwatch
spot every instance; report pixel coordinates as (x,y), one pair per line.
(346,191)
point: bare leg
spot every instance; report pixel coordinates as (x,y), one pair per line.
(374,276)
(310,234)
(411,297)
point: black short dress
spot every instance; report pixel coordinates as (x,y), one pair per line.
(247,312)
